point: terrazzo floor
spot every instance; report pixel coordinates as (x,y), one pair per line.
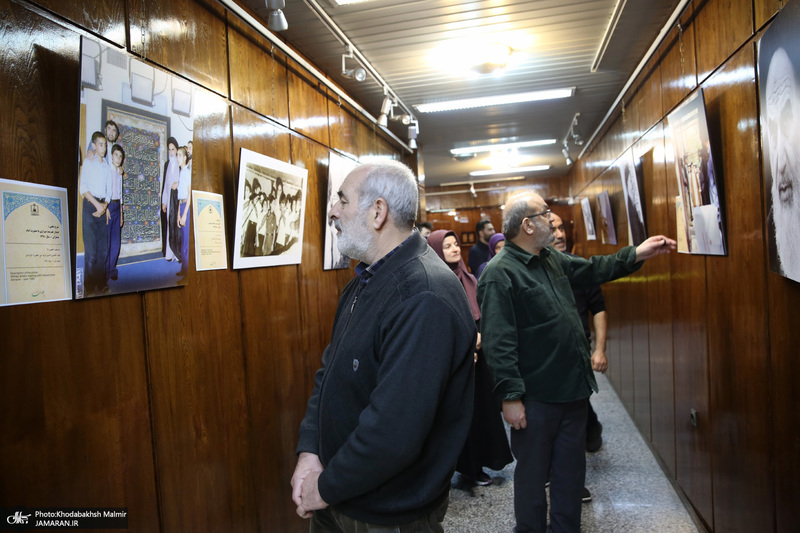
(630,493)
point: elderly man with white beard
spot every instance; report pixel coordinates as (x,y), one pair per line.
(392,403)
(782,135)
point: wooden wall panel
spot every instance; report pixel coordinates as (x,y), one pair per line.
(639,308)
(308,105)
(784,338)
(689,335)
(102,17)
(258,73)
(715,42)
(737,323)
(659,298)
(764,9)
(651,106)
(197,372)
(344,127)
(277,385)
(75,428)
(678,66)
(185,36)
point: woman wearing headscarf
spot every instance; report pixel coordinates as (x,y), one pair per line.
(496,243)
(487,445)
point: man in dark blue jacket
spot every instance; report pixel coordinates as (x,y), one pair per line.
(391,405)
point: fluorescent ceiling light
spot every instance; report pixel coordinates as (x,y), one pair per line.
(485,180)
(346,2)
(500,146)
(534,168)
(504,99)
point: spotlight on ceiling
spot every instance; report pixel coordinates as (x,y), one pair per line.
(386,108)
(404,119)
(277,20)
(359,73)
(565,151)
(413,131)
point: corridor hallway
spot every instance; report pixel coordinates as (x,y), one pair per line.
(630,493)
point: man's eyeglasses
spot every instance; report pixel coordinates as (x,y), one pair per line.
(545,212)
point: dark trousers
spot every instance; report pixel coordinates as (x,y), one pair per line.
(114,241)
(184,206)
(95,249)
(331,521)
(552,446)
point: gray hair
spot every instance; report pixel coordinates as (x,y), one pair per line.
(394,182)
(513,215)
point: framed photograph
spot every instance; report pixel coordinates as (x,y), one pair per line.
(633,192)
(338,169)
(270,212)
(468,237)
(608,233)
(698,179)
(588,221)
(134,183)
(779,90)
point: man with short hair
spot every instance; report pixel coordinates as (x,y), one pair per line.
(392,404)
(534,342)
(425,229)
(95,188)
(479,253)
(588,301)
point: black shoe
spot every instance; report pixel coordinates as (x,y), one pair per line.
(482,479)
(594,438)
(587,496)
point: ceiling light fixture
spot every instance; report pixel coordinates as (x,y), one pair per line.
(565,151)
(359,73)
(485,180)
(386,108)
(571,136)
(533,168)
(492,59)
(277,20)
(500,146)
(517,98)
(413,131)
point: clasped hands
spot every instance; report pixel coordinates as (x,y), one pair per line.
(305,485)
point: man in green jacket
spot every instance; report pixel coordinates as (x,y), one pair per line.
(535,344)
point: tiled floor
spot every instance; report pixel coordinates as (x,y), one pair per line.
(630,493)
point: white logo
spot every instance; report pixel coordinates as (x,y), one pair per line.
(18,518)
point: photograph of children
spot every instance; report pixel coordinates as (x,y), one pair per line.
(608,233)
(698,181)
(779,89)
(588,221)
(270,212)
(338,169)
(135,175)
(633,192)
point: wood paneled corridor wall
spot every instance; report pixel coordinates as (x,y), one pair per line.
(716,334)
(181,404)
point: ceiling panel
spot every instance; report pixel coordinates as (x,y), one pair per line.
(555,43)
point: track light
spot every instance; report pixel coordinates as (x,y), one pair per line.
(572,135)
(413,131)
(386,108)
(277,20)
(359,73)
(405,119)
(566,155)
